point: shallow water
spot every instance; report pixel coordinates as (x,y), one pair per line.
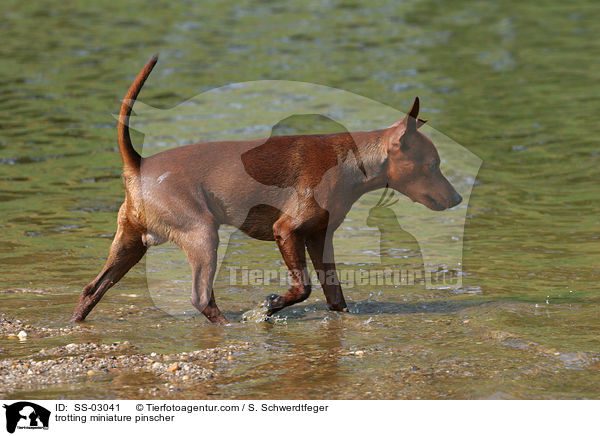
(513,83)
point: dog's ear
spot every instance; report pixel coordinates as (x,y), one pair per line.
(414,110)
(407,125)
(411,118)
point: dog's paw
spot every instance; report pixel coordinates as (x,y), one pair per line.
(269,300)
(338,308)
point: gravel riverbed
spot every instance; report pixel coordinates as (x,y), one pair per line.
(94,362)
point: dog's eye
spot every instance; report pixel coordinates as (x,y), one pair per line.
(433,166)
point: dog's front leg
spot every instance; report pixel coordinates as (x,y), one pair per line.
(320,249)
(291,245)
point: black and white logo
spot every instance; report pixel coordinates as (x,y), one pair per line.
(26,415)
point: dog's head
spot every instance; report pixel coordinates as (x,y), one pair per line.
(413,164)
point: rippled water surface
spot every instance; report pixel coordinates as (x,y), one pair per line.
(515,84)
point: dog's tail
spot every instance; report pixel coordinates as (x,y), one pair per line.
(131,158)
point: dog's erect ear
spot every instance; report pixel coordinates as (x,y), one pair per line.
(406,123)
(414,110)
(411,118)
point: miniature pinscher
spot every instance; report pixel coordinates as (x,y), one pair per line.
(294,190)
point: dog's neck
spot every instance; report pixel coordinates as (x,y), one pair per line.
(373,156)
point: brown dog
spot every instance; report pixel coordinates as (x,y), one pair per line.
(294,190)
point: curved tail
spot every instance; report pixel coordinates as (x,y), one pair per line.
(131,158)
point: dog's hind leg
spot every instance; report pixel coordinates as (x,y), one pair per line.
(126,250)
(200,247)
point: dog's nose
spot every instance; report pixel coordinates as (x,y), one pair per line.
(456,199)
